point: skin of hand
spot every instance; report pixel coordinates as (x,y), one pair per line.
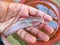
(10,10)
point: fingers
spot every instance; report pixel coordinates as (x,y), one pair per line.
(25,11)
(35,12)
(26,36)
(5,41)
(40,34)
(43,36)
(47,28)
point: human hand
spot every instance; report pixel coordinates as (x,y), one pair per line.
(23,11)
(28,37)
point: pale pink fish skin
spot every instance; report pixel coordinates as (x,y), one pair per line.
(22,24)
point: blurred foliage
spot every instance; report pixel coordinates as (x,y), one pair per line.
(16,40)
(57,2)
(58,43)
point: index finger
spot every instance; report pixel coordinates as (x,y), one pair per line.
(38,13)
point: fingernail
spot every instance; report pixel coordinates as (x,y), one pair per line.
(48,18)
(30,39)
(43,36)
(49,29)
